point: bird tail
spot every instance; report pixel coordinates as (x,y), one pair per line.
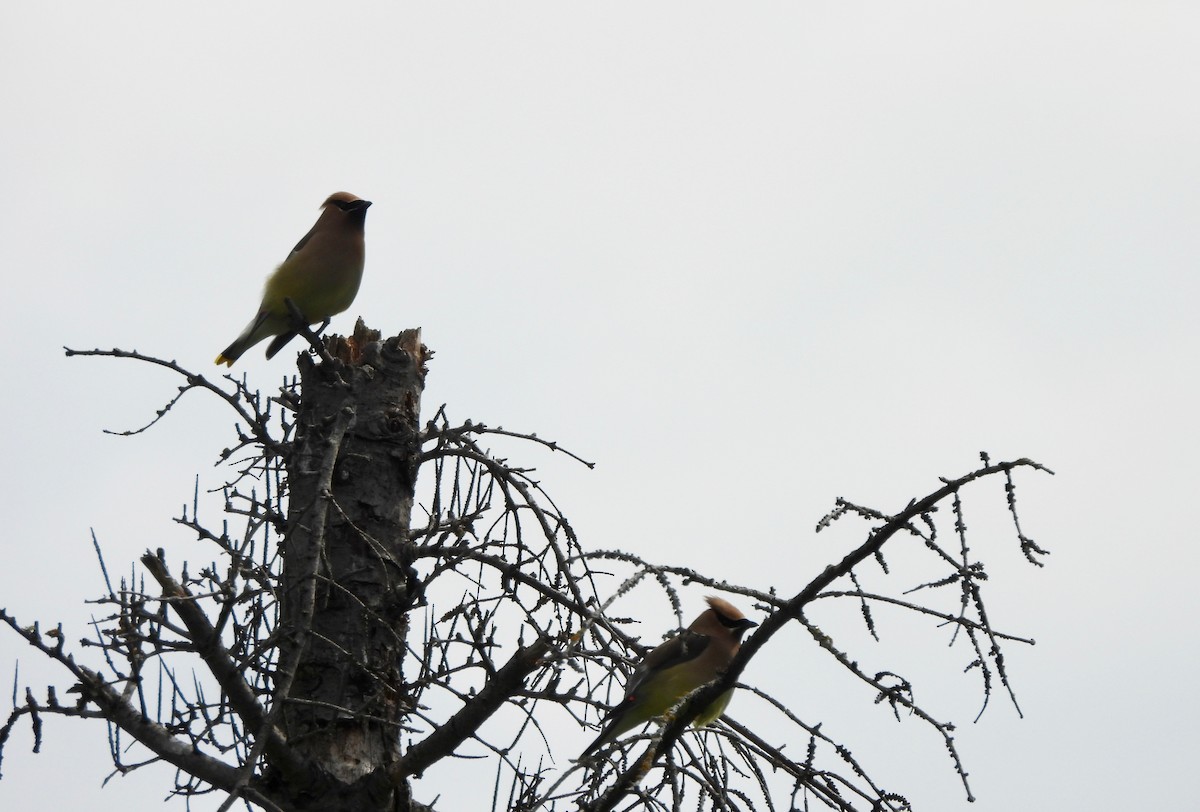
(604,737)
(231,353)
(614,726)
(249,337)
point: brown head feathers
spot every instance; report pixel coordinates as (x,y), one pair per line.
(724,608)
(340,197)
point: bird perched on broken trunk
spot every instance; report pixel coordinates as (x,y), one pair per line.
(679,666)
(321,277)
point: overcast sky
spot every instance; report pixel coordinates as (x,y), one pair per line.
(748,258)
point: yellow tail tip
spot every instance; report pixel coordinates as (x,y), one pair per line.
(221,359)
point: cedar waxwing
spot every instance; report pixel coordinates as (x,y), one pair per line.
(320,276)
(676,668)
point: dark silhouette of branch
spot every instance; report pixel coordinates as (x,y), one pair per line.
(793,610)
(499,689)
(112,705)
(256,420)
(337,649)
(227,673)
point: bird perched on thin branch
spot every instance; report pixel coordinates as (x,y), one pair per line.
(679,666)
(321,277)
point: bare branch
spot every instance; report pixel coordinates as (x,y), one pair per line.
(793,610)
(457,728)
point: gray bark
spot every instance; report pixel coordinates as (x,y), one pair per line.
(347,578)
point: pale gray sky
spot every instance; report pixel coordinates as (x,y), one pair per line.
(747,258)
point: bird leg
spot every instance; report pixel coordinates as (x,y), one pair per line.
(300,327)
(299,322)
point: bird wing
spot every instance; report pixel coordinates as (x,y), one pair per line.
(303,241)
(681,648)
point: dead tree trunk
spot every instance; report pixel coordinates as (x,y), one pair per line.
(347,575)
